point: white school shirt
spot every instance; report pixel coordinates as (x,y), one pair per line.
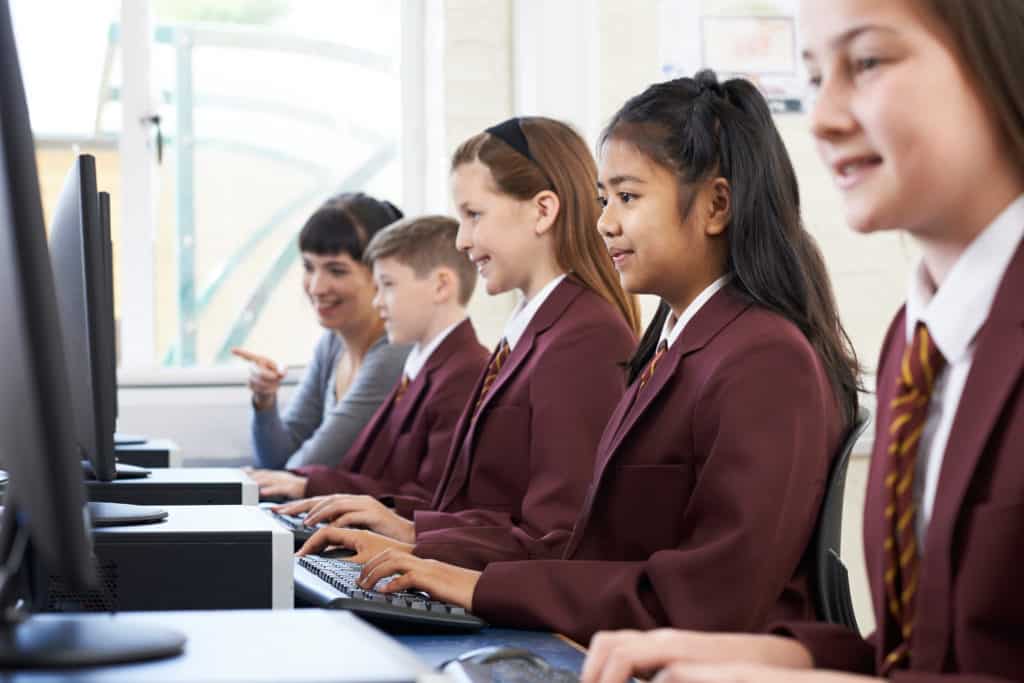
(953,315)
(524,312)
(670,332)
(417,357)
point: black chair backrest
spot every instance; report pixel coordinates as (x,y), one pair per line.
(830,584)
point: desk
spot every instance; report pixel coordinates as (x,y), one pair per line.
(435,649)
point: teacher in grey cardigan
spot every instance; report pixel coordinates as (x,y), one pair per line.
(353,367)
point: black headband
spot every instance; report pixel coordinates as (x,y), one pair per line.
(511,133)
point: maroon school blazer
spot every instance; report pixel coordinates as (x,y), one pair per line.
(519,468)
(401,452)
(705,495)
(970,606)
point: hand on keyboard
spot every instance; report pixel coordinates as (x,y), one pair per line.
(392,610)
(363,511)
(444,581)
(366,543)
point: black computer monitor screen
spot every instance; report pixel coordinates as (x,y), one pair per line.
(77,247)
(108,300)
(45,508)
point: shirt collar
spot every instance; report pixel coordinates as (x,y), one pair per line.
(956,311)
(524,312)
(418,356)
(669,332)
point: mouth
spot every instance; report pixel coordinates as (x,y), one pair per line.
(480,262)
(850,171)
(619,256)
(326,308)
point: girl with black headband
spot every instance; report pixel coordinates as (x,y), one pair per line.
(712,468)
(523,452)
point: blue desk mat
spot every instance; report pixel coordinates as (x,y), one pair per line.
(435,649)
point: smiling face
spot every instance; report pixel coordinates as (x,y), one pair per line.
(898,121)
(497,232)
(655,249)
(404,301)
(340,288)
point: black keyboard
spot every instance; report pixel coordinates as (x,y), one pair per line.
(293,523)
(331,582)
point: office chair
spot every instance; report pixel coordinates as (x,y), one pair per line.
(829,579)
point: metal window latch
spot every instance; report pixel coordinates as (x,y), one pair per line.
(154,120)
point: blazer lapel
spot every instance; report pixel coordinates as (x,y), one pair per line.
(546,316)
(724,307)
(1000,343)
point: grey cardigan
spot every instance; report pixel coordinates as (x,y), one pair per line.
(315,428)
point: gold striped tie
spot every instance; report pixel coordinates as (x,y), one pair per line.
(648,372)
(922,362)
(402,387)
(493,368)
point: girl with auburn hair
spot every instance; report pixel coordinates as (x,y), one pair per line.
(919,114)
(711,471)
(523,451)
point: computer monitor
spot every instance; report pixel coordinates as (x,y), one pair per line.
(120,439)
(44,507)
(80,250)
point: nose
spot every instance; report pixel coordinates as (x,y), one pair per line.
(608,222)
(316,283)
(463,240)
(377,301)
(830,115)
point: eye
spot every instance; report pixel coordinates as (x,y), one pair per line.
(602,200)
(865,64)
(473,216)
(626,197)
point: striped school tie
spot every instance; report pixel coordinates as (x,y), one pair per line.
(493,368)
(922,363)
(649,370)
(403,386)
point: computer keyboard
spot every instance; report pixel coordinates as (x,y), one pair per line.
(331,582)
(294,523)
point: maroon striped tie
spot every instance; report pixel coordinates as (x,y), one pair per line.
(922,362)
(493,368)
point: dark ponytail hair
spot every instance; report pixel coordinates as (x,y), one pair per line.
(701,129)
(346,223)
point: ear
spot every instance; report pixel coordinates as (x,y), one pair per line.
(719,207)
(446,285)
(547,206)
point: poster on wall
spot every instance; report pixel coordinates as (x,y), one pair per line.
(750,39)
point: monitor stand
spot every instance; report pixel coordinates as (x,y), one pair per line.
(27,643)
(118,514)
(123,514)
(128,439)
(70,642)
(121,471)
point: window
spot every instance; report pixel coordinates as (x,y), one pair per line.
(263,109)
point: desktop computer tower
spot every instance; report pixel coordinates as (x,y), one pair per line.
(200,557)
(179,486)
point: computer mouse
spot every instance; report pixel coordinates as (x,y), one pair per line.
(502,663)
(497,653)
